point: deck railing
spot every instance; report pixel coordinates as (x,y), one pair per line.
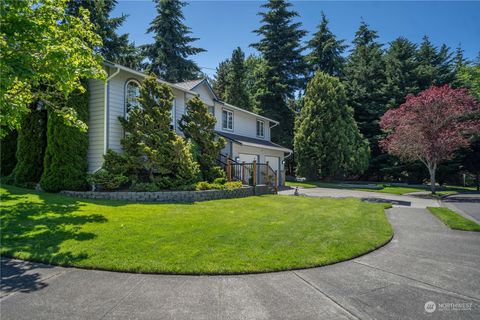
(252,173)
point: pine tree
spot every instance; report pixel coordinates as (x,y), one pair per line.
(326,51)
(365,81)
(235,92)
(65,163)
(327,140)
(435,65)
(281,49)
(169,53)
(198,126)
(115,48)
(155,157)
(254,68)
(220,82)
(31,143)
(400,71)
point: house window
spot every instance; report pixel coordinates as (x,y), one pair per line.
(132,92)
(211,109)
(227,119)
(260,128)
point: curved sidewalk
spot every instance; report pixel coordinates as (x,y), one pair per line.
(424,262)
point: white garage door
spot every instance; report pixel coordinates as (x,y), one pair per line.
(273,162)
(247,158)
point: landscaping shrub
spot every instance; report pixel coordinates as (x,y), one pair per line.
(106,180)
(198,125)
(31,143)
(8,148)
(204,185)
(155,157)
(65,163)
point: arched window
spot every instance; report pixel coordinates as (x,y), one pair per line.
(132,92)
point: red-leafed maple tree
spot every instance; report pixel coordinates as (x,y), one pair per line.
(431,126)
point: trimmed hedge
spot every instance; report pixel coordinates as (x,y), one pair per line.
(65,160)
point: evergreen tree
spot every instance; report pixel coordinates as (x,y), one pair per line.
(65,163)
(435,67)
(198,125)
(400,71)
(326,54)
(327,140)
(280,47)
(235,92)
(254,68)
(31,143)
(115,47)
(220,82)
(365,81)
(8,148)
(168,55)
(154,156)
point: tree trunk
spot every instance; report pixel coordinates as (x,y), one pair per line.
(431,170)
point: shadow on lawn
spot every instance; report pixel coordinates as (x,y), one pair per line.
(35,230)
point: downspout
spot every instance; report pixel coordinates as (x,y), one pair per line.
(106,105)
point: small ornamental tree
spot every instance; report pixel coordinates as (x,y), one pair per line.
(198,126)
(154,156)
(431,126)
(327,140)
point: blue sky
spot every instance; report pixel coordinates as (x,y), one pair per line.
(224,25)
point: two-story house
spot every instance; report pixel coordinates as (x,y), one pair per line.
(247,133)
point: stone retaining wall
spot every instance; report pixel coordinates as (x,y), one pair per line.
(169,196)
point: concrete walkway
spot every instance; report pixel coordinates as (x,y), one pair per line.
(424,262)
(467,205)
(395,200)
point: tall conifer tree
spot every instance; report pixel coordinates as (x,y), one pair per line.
(115,47)
(220,82)
(327,140)
(279,45)
(235,92)
(365,80)
(326,54)
(169,54)
(435,65)
(400,71)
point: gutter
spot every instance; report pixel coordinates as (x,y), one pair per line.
(105,115)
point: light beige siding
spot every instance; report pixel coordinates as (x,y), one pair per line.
(95,124)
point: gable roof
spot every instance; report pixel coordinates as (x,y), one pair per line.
(190,84)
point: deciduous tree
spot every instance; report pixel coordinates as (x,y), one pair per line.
(45,52)
(431,126)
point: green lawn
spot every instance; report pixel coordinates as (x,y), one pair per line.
(454,220)
(254,234)
(383,188)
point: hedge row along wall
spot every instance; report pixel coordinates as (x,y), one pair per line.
(65,162)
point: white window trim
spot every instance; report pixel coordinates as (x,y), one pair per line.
(173,113)
(263,128)
(125,113)
(233,124)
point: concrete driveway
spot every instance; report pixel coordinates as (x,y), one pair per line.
(425,264)
(465,204)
